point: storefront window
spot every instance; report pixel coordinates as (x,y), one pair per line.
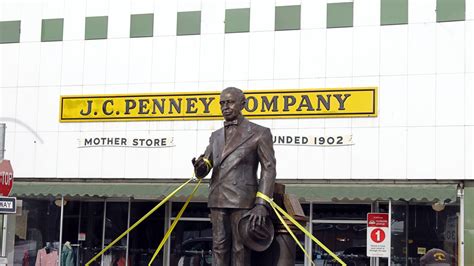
(343,229)
(144,239)
(116,221)
(419,227)
(194,210)
(191,240)
(82,227)
(36,233)
(191,243)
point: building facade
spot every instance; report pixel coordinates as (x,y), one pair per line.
(85,181)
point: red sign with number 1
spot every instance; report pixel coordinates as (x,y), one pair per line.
(378,235)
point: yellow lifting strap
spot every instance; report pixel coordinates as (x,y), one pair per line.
(141,220)
(168,233)
(278,210)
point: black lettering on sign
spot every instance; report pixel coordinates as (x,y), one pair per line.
(104,107)
(89,108)
(129,105)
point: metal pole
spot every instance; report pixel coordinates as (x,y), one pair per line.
(103,230)
(390,226)
(2,141)
(61,230)
(128,235)
(461,226)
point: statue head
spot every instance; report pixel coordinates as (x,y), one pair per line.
(232,101)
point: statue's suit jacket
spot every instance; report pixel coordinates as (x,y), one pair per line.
(234,182)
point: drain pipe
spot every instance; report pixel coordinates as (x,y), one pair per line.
(2,141)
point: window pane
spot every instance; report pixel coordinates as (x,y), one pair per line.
(141,25)
(237,20)
(115,224)
(394,12)
(37,231)
(339,15)
(91,222)
(144,239)
(191,244)
(340,211)
(189,23)
(52,30)
(346,240)
(194,210)
(10,31)
(96,28)
(450,10)
(287,17)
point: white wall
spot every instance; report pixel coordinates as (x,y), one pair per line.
(424,71)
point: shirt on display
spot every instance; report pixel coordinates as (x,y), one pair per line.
(44,258)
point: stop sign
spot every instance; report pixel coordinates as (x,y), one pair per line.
(6,178)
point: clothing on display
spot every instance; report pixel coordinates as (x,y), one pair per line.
(67,255)
(47,256)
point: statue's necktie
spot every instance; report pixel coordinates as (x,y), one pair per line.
(230,128)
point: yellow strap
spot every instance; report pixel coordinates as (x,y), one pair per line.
(168,233)
(270,201)
(208,164)
(138,222)
(291,233)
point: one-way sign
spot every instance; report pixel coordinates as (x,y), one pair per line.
(7,205)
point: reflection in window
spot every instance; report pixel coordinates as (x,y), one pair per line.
(146,237)
(417,228)
(116,220)
(36,232)
(82,227)
(348,241)
(340,211)
(196,209)
(191,243)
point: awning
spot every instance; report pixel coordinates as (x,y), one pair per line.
(406,191)
(304,191)
(140,190)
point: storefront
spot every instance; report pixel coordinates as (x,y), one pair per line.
(424,216)
(106,103)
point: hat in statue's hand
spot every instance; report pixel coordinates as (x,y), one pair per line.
(260,237)
(436,257)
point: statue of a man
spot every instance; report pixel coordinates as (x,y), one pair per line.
(234,153)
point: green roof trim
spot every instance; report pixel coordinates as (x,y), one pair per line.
(304,191)
(429,192)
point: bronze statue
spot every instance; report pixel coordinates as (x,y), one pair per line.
(234,153)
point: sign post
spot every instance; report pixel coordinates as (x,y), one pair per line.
(378,235)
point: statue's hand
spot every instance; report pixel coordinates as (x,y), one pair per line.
(200,167)
(258,215)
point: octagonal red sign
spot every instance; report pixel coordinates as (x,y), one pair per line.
(6,178)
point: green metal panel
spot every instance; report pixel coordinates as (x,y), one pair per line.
(450,10)
(237,20)
(469,225)
(393,12)
(340,15)
(52,30)
(189,23)
(287,17)
(10,31)
(96,28)
(304,191)
(141,25)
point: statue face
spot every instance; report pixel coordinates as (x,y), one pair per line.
(231,105)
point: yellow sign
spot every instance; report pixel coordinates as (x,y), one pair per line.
(263,104)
